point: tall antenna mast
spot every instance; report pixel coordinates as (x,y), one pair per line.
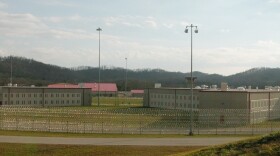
(11,78)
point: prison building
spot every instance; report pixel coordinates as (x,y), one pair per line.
(171,98)
(45,97)
(137,93)
(63,85)
(105,89)
(256,105)
(225,105)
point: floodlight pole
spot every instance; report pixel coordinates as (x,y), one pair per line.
(125,87)
(11,77)
(196,31)
(98,101)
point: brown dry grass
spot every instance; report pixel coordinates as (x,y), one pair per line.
(7,149)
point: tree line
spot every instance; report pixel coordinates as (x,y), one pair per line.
(27,72)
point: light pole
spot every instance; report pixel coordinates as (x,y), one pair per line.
(125,86)
(196,31)
(98,101)
(11,78)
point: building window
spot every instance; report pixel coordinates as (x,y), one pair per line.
(57,95)
(35,95)
(11,95)
(222,119)
(17,95)
(5,95)
(23,95)
(78,95)
(35,102)
(51,95)
(46,95)
(62,95)
(73,95)
(29,95)
(67,95)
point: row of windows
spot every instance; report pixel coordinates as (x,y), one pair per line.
(40,95)
(172,105)
(171,96)
(41,102)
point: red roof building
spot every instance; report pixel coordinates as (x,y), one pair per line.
(63,85)
(137,93)
(104,87)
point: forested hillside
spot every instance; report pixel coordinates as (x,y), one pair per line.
(30,72)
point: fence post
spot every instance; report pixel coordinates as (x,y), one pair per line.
(102,122)
(122,126)
(178,131)
(67,126)
(33,125)
(84,127)
(140,124)
(140,127)
(102,127)
(271,127)
(49,117)
(253,113)
(1,119)
(216,128)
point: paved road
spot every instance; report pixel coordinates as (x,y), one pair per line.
(121,141)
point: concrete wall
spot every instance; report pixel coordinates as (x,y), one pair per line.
(170,98)
(32,96)
(223,100)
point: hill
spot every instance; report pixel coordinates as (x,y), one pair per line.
(31,72)
(267,145)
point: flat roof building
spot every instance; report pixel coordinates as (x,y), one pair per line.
(45,97)
(256,105)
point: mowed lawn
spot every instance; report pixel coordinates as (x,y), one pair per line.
(118,101)
(7,149)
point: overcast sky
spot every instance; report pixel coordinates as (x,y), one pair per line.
(234,35)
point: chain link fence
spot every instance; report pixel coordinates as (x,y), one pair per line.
(137,120)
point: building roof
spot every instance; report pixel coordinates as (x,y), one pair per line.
(104,87)
(63,85)
(242,91)
(137,91)
(28,87)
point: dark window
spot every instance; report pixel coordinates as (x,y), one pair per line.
(222,119)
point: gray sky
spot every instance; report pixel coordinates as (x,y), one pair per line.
(234,35)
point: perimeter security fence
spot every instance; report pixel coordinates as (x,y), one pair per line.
(137,120)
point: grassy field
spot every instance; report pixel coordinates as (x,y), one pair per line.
(99,135)
(74,150)
(118,101)
(267,146)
